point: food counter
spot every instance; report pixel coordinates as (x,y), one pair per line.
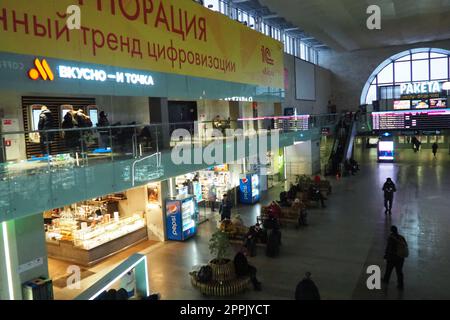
(71,239)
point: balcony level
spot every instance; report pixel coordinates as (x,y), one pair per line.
(31,186)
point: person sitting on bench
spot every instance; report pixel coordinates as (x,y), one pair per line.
(316,195)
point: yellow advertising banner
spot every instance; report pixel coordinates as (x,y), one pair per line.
(173,36)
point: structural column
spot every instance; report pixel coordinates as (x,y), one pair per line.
(159,114)
(23,254)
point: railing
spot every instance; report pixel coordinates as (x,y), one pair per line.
(34,152)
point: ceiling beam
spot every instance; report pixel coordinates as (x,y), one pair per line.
(270,16)
(240,1)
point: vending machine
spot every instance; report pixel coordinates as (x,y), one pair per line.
(249,188)
(181,220)
(386,148)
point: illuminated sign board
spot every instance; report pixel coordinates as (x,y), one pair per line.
(420,87)
(242,99)
(436,119)
(386,150)
(418,90)
(89,74)
(42,70)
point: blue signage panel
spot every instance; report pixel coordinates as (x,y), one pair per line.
(47,75)
(249,189)
(181,219)
(173,220)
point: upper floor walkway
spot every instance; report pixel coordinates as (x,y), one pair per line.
(105,160)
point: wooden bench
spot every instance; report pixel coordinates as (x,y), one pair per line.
(288,216)
(222,288)
(224,281)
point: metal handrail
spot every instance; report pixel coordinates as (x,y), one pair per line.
(156,125)
(158,164)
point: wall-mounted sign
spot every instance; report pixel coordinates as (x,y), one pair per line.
(100,75)
(176,36)
(43,71)
(242,99)
(31,265)
(420,90)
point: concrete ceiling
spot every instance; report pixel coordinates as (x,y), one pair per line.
(341,24)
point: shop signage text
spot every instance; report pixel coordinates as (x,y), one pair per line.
(420,87)
(242,99)
(176,36)
(89,74)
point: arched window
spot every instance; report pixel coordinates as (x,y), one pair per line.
(422,64)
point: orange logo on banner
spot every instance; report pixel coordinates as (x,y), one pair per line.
(267,55)
(42,70)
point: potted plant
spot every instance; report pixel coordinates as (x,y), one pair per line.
(222,267)
(219,246)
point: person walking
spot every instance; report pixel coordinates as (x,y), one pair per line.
(45,123)
(388,189)
(212,198)
(104,134)
(225,208)
(434,148)
(396,252)
(307,289)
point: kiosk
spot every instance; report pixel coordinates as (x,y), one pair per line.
(386,148)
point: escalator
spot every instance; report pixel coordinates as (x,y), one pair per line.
(342,149)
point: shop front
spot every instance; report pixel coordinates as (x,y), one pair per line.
(129,71)
(208,187)
(90,231)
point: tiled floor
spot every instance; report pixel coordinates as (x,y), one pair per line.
(343,239)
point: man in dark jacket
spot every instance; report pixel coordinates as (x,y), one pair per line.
(396,251)
(243,268)
(389,189)
(104,134)
(434,148)
(307,289)
(225,208)
(45,123)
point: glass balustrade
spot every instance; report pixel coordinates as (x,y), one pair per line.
(55,167)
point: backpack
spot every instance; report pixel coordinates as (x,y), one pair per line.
(402,248)
(205,274)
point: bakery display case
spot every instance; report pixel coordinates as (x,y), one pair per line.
(92,237)
(88,232)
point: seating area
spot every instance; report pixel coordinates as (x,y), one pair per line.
(218,278)
(224,281)
(288,216)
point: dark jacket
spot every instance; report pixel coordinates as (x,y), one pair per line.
(434,147)
(225,208)
(45,120)
(241,266)
(103,121)
(389,189)
(82,120)
(307,290)
(46,123)
(70,137)
(391,247)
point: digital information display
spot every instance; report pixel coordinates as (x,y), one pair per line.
(411,119)
(386,151)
